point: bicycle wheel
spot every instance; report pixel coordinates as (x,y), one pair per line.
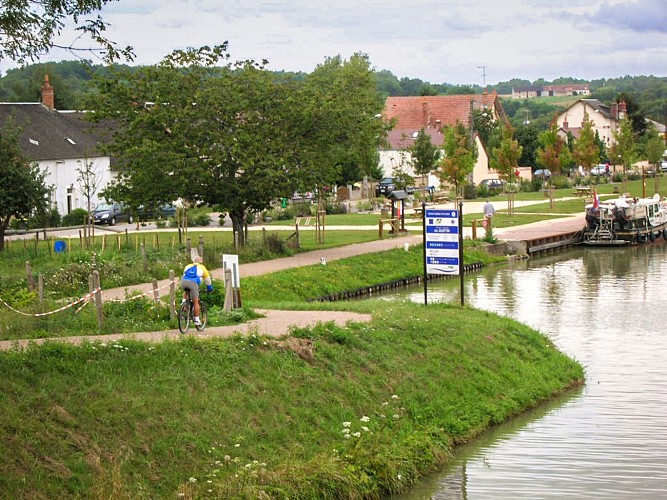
(184,316)
(202,315)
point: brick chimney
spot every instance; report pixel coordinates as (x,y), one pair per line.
(48,95)
(622,110)
(566,126)
(614,111)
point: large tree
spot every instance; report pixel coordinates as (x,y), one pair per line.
(504,159)
(28,28)
(22,187)
(624,149)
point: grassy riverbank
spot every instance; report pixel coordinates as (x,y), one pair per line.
(331,412)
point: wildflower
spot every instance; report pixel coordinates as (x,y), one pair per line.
(365,429)
(394,396)
(227,458)
(400,477)
(181,495)
(356,434)
(237,445)
(347,424)
(346,436)
(345,431)
(395,417)
(365,419)
(193,479)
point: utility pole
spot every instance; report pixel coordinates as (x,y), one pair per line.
(483,68)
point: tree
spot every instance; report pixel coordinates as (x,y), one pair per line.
(460,156)
(505,158)
(655,147)
(22,187)
(553,152)
(528,137)
(425,155)
(624,148)
(28,28)
(586,152)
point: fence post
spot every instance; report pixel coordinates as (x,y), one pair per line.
(229,291)
(172,294)
(144,259)
(188,246)
(98,299)
(201,246)
(31,278)
(91,288)
(40,287)
(474,229)
(156,292)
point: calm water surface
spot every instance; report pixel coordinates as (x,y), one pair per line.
(606,308)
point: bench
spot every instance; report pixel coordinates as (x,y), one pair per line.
(582,191)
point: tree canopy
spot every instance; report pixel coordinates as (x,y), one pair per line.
(28,28)
(460,156)
(22,187)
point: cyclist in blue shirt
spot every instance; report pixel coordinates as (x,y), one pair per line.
(193,275)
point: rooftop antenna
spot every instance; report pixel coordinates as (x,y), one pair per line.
(483,68)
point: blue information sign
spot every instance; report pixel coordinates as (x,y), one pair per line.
(442,241)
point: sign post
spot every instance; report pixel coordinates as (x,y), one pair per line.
(443,245)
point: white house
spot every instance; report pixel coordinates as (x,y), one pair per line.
(61,143)
(605,119)
(432,113)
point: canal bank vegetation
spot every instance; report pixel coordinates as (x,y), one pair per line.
(360,411)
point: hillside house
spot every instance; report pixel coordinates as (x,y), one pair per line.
(432,113)
(532,91)
(61,143)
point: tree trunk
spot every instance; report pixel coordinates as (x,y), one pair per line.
(238,228)
(2,238)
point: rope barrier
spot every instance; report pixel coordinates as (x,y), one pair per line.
(85,298)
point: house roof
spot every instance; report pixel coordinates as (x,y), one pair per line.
(52,135)
(595,105)
(431,113)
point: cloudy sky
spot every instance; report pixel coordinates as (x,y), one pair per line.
(445,41)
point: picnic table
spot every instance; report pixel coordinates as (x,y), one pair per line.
(583,191)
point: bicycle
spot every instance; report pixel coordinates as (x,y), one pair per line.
(186,314)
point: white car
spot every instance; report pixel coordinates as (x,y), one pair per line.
(600,169)
(663,166)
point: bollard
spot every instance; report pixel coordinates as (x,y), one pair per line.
(98,299)
(229,291)
(156,291)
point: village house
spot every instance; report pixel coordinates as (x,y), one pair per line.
(432,113)
(62,143)
(605,119)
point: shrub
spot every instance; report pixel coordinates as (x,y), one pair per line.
(200,220)
(50,218)
(75,217)
(561,182)
(335,207)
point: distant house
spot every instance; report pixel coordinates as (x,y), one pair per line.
(432,113)
(530,91)
(605,119)
(61,143)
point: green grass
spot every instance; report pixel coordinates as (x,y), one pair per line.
(264,418)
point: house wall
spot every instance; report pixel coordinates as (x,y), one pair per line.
(62,175)
(575,117)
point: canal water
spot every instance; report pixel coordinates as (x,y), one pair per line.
(607,308)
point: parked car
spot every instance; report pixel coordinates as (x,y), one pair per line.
(546,173)
(663,166)
(164,211)
(492,183)
(385,186)
(600,169)
(111,213)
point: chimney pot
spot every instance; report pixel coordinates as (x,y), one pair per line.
(48,95)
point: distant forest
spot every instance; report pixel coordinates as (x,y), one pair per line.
(71,82)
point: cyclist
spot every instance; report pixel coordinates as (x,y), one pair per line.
(193,275)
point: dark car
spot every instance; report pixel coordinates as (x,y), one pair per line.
(164,211)
(111,213)
(385,186)
(540,173)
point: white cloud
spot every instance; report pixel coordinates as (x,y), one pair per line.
(436,41)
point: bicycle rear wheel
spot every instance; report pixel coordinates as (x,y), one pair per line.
(202,315)
(184,316)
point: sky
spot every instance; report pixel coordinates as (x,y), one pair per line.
(446,41)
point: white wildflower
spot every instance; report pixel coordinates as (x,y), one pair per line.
(365,419)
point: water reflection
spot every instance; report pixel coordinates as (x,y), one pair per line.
(606,308)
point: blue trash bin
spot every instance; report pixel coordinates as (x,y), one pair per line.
(60,246)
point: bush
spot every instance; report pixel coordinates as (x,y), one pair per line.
(561,182)
(75,217)
(50,218)
(335,207)
(199,220)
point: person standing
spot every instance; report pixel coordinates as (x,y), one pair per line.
(489,212)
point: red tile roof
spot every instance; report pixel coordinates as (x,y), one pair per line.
(432,113)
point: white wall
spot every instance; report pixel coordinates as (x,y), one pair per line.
(62,177)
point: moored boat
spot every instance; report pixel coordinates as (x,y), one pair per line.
(623,221)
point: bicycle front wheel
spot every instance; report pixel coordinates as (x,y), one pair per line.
(202,315)
(184,317)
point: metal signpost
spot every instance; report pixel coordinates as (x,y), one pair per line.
(443,244)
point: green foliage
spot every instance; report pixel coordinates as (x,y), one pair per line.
(424,154)
(459,158)
(75,218)
(586,152)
